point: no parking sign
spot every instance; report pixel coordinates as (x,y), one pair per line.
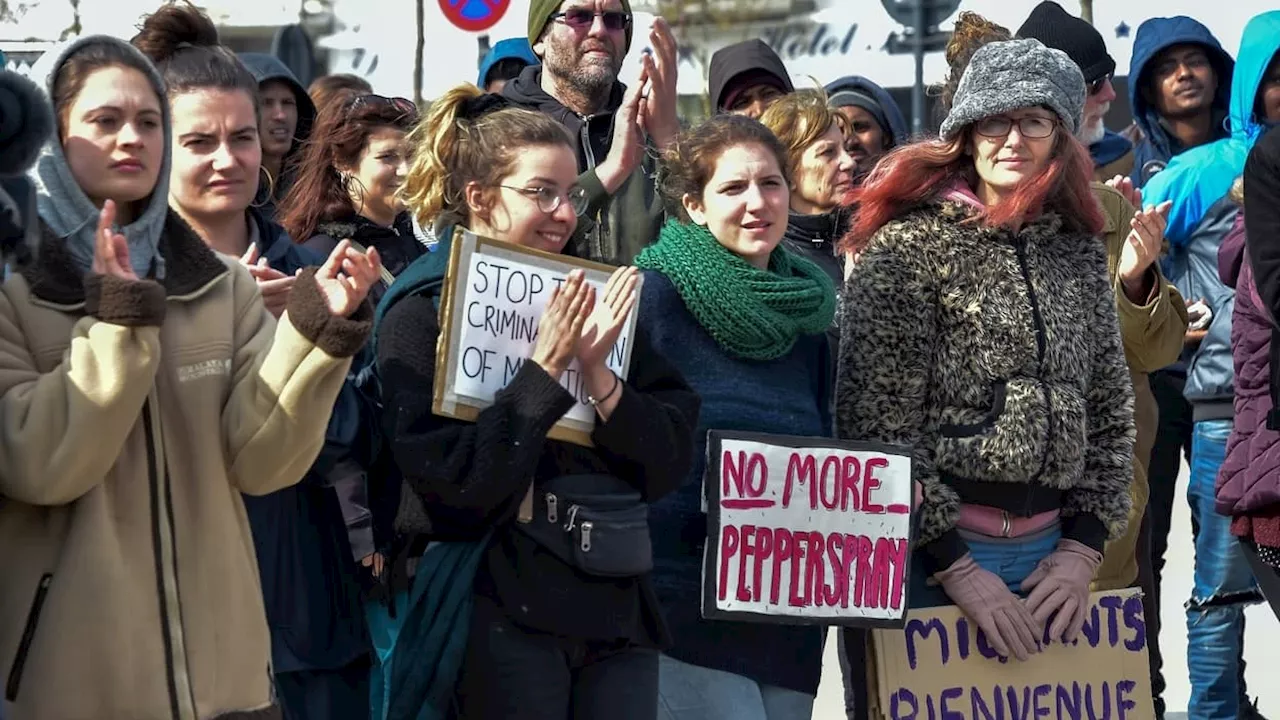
(474,15)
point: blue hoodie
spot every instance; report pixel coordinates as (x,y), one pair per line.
(892,113)
(1197,182)
(509,49)
(1154,36)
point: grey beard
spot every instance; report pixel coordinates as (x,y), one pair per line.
(1090,134)
(594,86)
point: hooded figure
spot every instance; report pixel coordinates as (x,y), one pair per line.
(269,69)
(510,53)
(1158,146)
(736,69)
(855,97)
(26,122)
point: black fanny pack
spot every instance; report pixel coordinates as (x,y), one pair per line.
(596,523)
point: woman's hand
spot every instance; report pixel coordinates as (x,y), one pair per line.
(987,601)
(600,333)
(273,284)
(560,327)
(1141,249)
(346,276)
(1060,586)
(111,249)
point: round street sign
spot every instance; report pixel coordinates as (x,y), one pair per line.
(474,15)
(904,11)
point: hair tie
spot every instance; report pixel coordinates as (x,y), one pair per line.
(474,108)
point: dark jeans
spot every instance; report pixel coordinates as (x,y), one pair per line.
(1172,444)
(512,673)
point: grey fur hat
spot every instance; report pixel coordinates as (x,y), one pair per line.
(1014,74)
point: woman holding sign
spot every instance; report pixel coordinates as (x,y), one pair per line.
(565,623)
(979,327)
(745,320)
(144,387)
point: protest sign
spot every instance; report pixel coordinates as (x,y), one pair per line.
(941,667)
(806,530)
(494,296)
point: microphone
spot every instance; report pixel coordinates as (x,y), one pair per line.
(26,121)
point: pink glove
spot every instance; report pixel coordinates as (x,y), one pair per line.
(1060,584)
(986,600)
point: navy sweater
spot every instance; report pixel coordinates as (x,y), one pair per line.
(789,395)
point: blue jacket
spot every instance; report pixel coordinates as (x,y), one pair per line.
(511,48)
(1153,37)
(893,113)
(305,558)
(1198,182)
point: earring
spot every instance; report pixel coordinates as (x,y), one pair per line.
(348,181)
(271,188)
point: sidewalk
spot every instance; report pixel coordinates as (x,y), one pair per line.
(1262,641)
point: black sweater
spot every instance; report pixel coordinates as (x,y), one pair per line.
(471,476)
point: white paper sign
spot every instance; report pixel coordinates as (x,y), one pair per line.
(806,530)
(503,292)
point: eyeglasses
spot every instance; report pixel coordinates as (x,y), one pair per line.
(549,198)
(581,19)
(404,106)
(1096,86)
(1033,127)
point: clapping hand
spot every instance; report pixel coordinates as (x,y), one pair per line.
(110,248)
(561,324)
(346,277)
(273,284)
(605,324)
(660,67)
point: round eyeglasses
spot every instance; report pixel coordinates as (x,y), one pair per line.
(1031,126)
(549,198)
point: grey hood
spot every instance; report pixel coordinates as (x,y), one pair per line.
(64,207)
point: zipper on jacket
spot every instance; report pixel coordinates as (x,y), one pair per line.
(181,701)
(28,636)
(1037,319)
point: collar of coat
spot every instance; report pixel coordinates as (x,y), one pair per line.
(1050,222)
(190,265)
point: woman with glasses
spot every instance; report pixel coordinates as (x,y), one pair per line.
(307,563)
(979,328)
(348,181)
(744,319)
(549,637)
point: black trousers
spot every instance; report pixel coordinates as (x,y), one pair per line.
(1268,577)
(511,673)
(853,668)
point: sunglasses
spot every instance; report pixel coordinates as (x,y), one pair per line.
(581,19)
(1096,86)
(404,106)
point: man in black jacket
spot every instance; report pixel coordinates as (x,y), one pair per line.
(582,44)
(26,121)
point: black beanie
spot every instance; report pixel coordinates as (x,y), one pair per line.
(1059,29)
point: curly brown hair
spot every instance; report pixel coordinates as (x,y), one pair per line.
(971,32)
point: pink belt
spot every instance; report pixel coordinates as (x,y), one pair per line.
(994,522)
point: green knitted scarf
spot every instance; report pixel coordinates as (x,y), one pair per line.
(753,314)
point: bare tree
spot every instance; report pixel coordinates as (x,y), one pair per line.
(1086,10)
(75,28)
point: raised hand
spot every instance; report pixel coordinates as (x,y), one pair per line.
(659,114)
(1142,246)
(560,327)
(346,276)
(273,284)
(110,248)
(602,328)
(1125,187)
(626,149)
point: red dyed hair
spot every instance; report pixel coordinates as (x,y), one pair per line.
(910,175)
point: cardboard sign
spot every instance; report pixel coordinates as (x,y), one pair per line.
(806,530)
(494,296)
(940,667)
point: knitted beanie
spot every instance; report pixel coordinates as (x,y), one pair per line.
(1061,30)
(540,12)
(1015,74)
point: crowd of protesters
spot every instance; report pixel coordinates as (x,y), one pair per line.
(226,491)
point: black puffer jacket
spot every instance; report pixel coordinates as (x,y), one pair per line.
(397,245)
(997,356)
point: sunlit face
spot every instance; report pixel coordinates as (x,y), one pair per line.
(754,100)
(823,175)
(1096,106)
(511,211)
(865,141)
(1182,81)
(745,203)
(279,118)
(378,174)
(1005,161)
(584,53)
(216,152)
(114,137)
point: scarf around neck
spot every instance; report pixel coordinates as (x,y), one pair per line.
(753,314)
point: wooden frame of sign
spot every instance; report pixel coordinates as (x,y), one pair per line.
(449,399)
(888,540)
